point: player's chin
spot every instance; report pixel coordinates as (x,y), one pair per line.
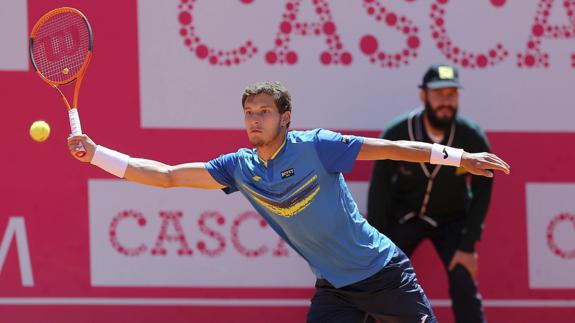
(256,140)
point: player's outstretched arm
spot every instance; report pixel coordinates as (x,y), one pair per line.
(413,151)
(144,171)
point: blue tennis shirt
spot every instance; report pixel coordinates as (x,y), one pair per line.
(302,194)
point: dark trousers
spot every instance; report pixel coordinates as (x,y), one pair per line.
(391,295)
(466,301)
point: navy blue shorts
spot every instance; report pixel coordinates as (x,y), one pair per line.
(391,295)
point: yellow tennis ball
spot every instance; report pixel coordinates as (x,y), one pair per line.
(39,130)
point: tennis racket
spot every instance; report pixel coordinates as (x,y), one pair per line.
(61,45)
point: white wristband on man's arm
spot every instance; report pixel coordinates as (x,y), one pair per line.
(114,162)
(444,155)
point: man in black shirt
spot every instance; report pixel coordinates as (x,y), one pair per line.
(410,202)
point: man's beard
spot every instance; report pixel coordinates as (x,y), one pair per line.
(259,142)
(442,124)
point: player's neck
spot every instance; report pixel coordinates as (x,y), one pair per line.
(435,134)
(270,149)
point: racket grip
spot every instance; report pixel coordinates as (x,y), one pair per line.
(76,128)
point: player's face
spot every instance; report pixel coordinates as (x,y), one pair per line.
(262,119)
(441,106)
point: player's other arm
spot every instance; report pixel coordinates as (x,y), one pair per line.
(413,151)
(146,171)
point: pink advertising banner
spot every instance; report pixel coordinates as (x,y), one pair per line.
(165,82)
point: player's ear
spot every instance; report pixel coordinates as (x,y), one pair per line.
(286,118)
(422,95)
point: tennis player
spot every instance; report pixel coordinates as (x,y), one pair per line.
(294,180)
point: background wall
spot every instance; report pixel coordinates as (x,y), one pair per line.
(165,83)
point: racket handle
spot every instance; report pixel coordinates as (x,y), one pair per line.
(76,130)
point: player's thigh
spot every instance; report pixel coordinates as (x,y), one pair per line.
(395,294)
(327,306)
(411,309)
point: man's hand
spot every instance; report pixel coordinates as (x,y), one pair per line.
(483,163)
(467,260)
(89,145)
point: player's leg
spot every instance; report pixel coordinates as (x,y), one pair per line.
(329,304)
(465,297)
(407,236)
(393,294)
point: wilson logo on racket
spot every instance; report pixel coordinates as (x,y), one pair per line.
(60,43)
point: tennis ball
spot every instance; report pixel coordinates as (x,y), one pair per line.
(39,130)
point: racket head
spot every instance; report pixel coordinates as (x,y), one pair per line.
(61,44)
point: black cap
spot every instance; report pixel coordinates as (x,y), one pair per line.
(440,76)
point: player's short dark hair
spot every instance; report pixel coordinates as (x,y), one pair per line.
(280,94)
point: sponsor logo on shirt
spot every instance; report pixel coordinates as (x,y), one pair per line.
(287,173)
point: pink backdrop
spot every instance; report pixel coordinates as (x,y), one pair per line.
(49,191)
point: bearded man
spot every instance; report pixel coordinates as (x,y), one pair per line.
(411,202)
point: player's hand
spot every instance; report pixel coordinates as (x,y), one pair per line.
(483,163)
(467,260)
(89,145)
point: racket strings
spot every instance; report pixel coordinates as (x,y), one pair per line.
(61,46)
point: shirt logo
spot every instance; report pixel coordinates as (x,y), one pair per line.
(287,173)
(256,178)
(445,155)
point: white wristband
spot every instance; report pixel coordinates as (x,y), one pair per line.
(443,155)
(114,162)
